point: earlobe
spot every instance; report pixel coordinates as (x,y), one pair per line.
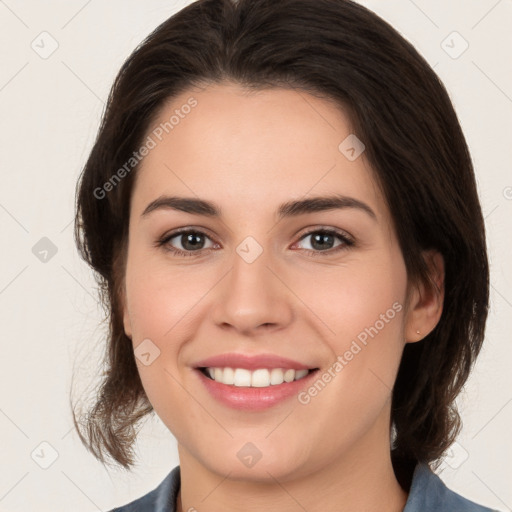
(426,301)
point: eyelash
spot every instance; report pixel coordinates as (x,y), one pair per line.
(345,239)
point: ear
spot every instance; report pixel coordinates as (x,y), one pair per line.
(425,304)
(126,316)
(127,324)
(119,278)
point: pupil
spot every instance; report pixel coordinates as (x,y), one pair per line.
(322,237)
(192,240)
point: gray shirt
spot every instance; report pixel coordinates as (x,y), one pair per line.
(428,493)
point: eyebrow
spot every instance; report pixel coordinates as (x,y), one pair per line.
(289,209)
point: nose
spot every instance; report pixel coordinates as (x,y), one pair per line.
(253,297)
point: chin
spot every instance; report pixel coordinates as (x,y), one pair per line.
(261,468)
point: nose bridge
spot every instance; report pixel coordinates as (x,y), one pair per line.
(252,295)
(250,264)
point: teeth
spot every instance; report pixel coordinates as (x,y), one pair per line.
(276,376)
(228,376)
(260,378)
(300,373)
(242,377)
(289,375)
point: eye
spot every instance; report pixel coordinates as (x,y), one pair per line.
(190,240)
(322,241)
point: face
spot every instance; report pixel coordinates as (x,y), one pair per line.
(324,288)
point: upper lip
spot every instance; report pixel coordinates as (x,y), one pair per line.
(251,362)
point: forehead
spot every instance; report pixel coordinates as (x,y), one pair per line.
(247,148)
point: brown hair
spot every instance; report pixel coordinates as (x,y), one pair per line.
(342,51)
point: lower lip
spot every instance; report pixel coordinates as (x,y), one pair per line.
(254,399)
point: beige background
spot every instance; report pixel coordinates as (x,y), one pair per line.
(50,111)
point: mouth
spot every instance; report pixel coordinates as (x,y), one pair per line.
(253,382)
(258,378)
(254,390)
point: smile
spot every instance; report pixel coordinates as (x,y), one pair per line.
(259,378)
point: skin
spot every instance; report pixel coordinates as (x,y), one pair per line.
(249,152)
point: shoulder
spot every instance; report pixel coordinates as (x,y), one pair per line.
(429,493)
(161,499)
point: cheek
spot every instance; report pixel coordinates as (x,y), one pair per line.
(163,304)
(159,302)
(373,303)
(362,306)
(353,298)
(158,298)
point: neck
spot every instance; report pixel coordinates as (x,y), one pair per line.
(362,479)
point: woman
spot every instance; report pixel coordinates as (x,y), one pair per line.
(240,139)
